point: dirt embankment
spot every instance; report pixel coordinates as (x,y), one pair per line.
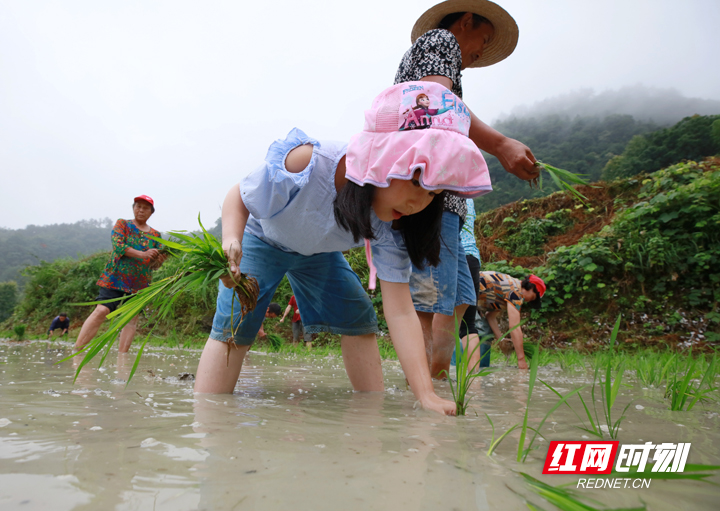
(603,200)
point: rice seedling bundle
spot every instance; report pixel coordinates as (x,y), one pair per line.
(563,179)
(203,262)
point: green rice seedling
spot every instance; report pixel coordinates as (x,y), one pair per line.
(564,499)
(19,331)
(681,390)
(563,179)
(610,387)
(464,374)
(710,372)
(493,442)
(651,369)
(522,452)
(594,428)
(693,471)
(275,341)
(569,359)
(203,262)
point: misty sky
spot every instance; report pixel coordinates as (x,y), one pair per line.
(104,100)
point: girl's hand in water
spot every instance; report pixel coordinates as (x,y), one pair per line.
(439,405)
(233,252)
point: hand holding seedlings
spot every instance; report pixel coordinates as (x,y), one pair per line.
(233,252)
(563,179)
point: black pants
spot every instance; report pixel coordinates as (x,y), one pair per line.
(467,325)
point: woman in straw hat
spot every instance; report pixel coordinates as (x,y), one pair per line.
(449,37)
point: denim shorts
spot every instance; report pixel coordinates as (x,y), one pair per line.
(442,288)
(329,294)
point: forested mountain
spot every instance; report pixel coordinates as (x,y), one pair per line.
(22,247)
(690,139)
(583,130)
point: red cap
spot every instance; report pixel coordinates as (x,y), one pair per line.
(539,284)
(146,198)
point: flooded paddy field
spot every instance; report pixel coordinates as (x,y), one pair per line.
(295,436)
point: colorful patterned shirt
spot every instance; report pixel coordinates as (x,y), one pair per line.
(497,289)
(128,273)
(436,52)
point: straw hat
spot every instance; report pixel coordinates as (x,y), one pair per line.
(506,30)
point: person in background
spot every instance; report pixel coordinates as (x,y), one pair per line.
(500,291)
(62,323)
(273,311)
(297,326)
(469,334)
(129,270)
(448,38)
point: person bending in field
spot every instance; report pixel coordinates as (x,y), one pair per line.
(61,323)
(498,291)
(273,311)
(310,201)
(297,325)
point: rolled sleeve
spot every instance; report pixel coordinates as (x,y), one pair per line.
(270,188)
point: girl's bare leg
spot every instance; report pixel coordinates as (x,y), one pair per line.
(426,323)
(443,333)
(362,362)
(471,345)
(214,374)
(91,326)
(127,335)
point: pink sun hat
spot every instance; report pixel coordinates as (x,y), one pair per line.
(418,126)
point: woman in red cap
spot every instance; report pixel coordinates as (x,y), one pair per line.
(129,270)
(498,291)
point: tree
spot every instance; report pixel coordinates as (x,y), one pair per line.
(692,138)
(8,299)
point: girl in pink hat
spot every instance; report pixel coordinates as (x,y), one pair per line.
(311,200)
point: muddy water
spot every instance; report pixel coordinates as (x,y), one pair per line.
(293,436)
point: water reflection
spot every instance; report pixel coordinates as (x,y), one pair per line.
(293,435)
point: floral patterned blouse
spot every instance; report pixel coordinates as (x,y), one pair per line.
(127,273)
(436,52)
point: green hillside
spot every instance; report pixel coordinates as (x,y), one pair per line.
(647,247)
(24,247)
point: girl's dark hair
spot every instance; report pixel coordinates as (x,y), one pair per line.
(274,308)
(448,20)
(421,231)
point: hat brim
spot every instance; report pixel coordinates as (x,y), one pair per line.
(506,30)
(446,161)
